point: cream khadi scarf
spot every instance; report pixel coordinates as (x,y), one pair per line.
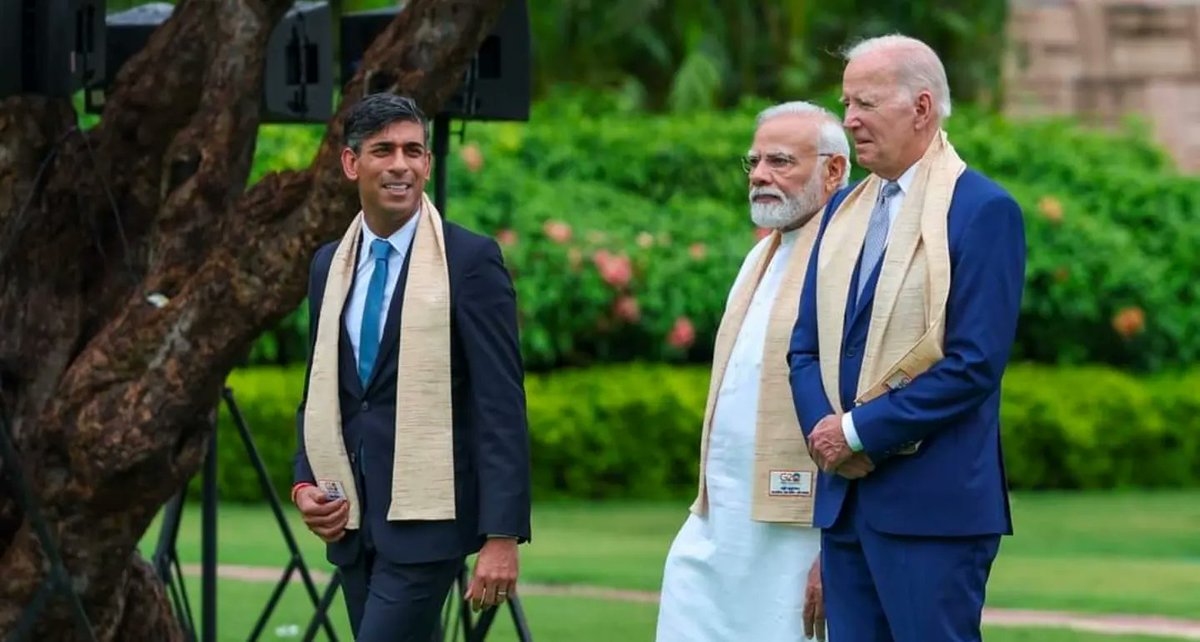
(908,316)
(784,474)
(423,463)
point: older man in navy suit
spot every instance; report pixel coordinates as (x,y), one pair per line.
(412,441)
(906,320)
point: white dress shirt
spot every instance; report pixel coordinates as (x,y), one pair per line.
(401,241)
(905,182)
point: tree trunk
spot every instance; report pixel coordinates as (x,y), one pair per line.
(109,393)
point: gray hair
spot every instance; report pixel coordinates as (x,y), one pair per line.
(918,67)
(831,138)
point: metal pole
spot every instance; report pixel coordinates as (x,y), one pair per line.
(441,148)
(208,545)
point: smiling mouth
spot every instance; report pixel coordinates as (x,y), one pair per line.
(397,188)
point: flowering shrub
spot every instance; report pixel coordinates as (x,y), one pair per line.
(624,231)
(633,430)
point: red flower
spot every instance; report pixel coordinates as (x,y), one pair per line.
(506,237)
(682,334)
(697,251)
(557,231)
(626,309)
(472,157)
(1129,321)
(615,269)
(1051,208)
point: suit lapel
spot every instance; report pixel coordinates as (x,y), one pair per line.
(347,364)
(868,293)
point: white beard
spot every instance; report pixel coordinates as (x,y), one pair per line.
(790,209)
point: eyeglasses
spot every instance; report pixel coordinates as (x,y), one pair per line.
(777,163)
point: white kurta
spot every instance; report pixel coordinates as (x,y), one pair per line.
(728,578)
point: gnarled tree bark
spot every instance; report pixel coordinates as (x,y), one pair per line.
(109,395)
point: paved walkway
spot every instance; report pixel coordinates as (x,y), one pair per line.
(1102,624)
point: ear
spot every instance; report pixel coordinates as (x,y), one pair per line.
(924,110)
(349,164)
(428,163)
(835,169)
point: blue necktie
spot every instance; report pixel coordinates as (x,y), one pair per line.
(368,337)
(877,230)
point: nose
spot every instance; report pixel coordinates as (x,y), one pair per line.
(759,176)
(397,163)
(851,120)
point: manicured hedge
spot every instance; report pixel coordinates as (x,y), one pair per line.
(633,430)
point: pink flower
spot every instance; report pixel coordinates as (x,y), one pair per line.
(682,334)
(761,233)
(472,157)
(506,237)
(557,231)
(615,269)
(1129,321)
(697,251)
(645,240)
(626,309)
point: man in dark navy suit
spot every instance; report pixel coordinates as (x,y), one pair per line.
(912,496)
(397,571)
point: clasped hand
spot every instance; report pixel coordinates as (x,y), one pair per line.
(828,448)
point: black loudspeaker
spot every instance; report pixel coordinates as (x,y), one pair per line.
(126,34)
(11,79)
(298,74)
(51,47)
(298,80)
(496,85)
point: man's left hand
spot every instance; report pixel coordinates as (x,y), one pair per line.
(495,576)
(827,444)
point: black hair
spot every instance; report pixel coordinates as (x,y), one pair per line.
(375,112)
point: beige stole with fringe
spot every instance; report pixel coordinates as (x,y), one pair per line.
(907,324)
(423,463)
(784,474)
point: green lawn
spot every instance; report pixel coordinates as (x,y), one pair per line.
(1106,553)
(551,619)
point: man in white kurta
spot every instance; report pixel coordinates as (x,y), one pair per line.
(730,577)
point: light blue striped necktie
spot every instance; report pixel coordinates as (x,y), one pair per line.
(877,231)
(368,336)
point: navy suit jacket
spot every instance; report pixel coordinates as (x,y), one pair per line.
(491,438)
(955,484)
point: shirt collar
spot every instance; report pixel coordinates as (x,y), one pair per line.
(906,179)
(400,240)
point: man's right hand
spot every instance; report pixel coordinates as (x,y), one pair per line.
(325,518)
(814,604)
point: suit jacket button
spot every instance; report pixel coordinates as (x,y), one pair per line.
(366,406)
(850,352)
